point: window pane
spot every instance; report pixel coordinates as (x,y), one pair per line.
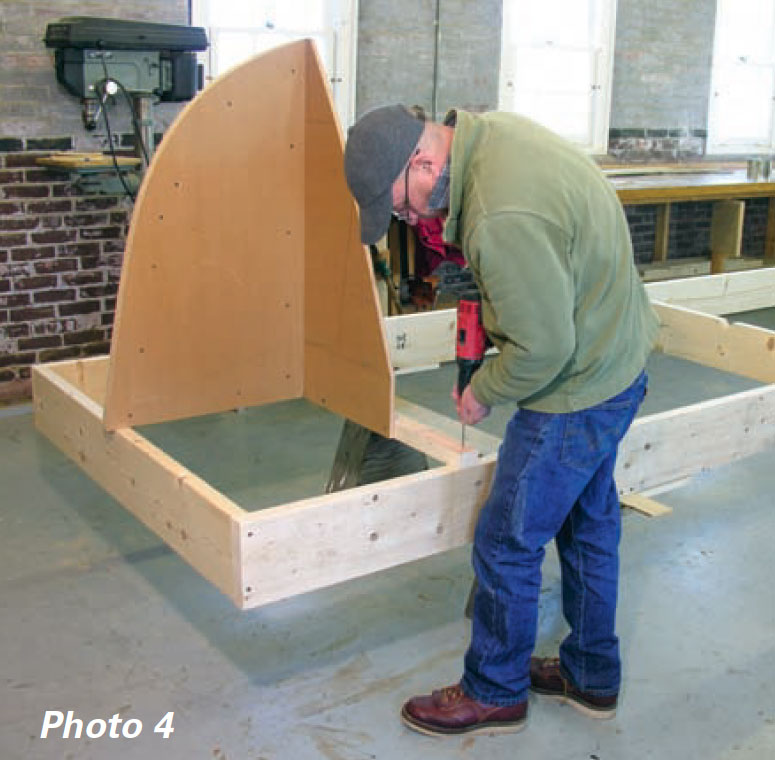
(553,69)
(231,48)
(239,29)
(556,63)
(568,115)
(298,14)
(746,30)
(264,41)
(239,13)
(740,114)
(744,107)
(561,22)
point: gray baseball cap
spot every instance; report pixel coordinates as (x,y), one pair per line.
(378,146)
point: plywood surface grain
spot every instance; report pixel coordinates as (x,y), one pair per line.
(244,279)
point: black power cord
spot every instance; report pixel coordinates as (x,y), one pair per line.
(135,123)
(111,147)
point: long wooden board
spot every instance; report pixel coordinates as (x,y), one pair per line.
(712,341)
(193,518)
(416,340)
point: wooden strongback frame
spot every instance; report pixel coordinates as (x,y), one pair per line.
(262,556)
(245,282)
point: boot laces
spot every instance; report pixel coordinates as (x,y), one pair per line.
(451,693)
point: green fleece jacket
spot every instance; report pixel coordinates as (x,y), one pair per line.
(549,246)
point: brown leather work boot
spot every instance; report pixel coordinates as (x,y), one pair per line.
(450,711)
(546,679)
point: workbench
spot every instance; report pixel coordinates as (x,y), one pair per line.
(726,188)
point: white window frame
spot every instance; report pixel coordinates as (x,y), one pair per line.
(601,61)
(341,35)
(735,144)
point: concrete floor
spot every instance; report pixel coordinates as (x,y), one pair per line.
(99,617)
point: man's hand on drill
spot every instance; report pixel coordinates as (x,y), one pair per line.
(469,410)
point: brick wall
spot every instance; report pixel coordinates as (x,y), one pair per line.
(60,261)
(662,64)
(60,251)
(690,229)
(755,226)
(640,145)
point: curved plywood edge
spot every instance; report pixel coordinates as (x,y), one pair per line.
(244,201)
(347,363)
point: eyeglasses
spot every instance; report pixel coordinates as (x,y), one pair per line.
(405,209)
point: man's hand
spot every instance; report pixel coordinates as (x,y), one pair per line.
(469,410)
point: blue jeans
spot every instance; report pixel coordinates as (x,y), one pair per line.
(554,479)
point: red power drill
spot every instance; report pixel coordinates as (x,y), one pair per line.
(470,345)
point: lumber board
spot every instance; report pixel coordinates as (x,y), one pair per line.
(726,233)
(668,188)
(644,505)
(416,340)
(439,437)
(478,440)
(719,293)
(670,446)
(263,556)
(712,341)
(244,280)
(191,517)
(258,557)
(325,540)
(662,232)
(89,376)
(704,167)
(693,266)
(434,443)
(74,160)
